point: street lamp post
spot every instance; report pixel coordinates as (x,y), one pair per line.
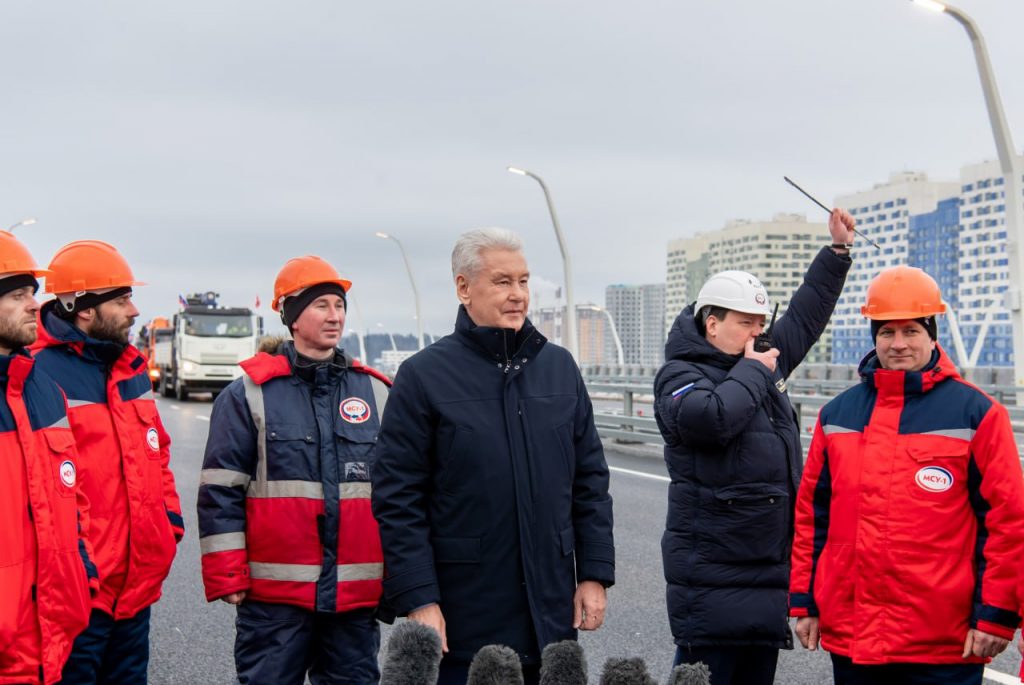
(23,222)
(360,329)
(611,326)
(394,347)
(1009,164)
(412,281)
(570,303)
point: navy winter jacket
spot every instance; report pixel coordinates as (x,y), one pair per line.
(733,452)
(491,489)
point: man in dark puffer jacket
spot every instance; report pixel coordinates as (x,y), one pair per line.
(732,447)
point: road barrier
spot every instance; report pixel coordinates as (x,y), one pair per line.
(634,422)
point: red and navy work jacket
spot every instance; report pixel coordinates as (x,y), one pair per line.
(124,455)
(909,518)
(284,499)
(46,574)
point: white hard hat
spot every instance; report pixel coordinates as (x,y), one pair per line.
(735,290)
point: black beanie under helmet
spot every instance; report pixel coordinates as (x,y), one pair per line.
(929,323)
(293,306)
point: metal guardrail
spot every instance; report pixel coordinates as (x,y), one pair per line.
(634,423)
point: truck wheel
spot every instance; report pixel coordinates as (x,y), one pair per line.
(165,388)
(180,391)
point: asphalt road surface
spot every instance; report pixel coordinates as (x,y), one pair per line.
(192,640)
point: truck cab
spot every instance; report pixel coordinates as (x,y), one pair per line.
(207,344)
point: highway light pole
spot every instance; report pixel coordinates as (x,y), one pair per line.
(23,222)
(570,303)
(412,281)
(611,327)
(1013,188)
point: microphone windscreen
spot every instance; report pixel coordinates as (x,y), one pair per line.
(413,655)
(495,665)
(563,663)
(690,674)
(626,672)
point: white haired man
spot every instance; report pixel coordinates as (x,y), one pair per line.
(491,487)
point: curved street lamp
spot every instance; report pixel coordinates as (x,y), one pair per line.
(23,222)
(570,305)
(360,329)
(1010,165)
(394,347)
(412,281)
(611,326)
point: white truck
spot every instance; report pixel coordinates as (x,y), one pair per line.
(207,343)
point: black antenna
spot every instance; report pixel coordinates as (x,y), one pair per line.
(815,201)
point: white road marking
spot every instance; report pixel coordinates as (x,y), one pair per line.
(631,472)
(1000,677)
(174,406)
(202,418)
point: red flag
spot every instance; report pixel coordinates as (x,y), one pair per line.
(257,302)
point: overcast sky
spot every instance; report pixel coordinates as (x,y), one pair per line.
(210,141)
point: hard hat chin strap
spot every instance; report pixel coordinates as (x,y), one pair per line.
(72,303)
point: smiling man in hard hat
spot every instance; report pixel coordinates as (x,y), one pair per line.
(910,516)
(733,452)
(135,513)
(285,524)
(46,573)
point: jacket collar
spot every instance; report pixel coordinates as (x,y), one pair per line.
(499,344)
(15,366)
(886,382)
(285,361)
(54,331)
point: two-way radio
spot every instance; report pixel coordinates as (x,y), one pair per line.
(763,342)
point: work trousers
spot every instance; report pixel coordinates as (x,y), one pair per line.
(846,672)
(110,652)
(733,665)
(279,644)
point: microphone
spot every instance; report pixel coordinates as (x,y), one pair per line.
(495,665)
(619,671)
(412,657)
(690,674)
(563,663)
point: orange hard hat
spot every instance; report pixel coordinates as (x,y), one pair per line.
(302,272)
(86,265)
(15,258)
(902,292)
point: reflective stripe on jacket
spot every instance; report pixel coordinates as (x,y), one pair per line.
(284,499)
(910,518)
(125,454)
(45,569)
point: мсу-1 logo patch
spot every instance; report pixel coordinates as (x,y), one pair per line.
(934,479)
(152,439)
(354,410)
(67,473)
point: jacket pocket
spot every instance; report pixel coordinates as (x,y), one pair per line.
(747,524)
(147,412)
(456,550)
(63,464)
(356,445)
(939,465)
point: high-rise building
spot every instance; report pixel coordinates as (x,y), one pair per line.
(591,331)
(777,252)
(639,315)
(933,245)
(983,263)
(884,213)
